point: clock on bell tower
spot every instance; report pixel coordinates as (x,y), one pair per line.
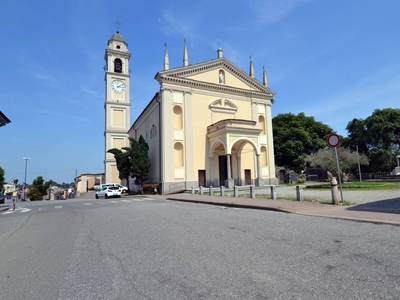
(117,102)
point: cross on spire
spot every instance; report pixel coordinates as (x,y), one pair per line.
(118,23)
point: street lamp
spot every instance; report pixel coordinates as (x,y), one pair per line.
(26,167)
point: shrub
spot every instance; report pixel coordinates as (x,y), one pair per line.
(34,194)
(150,188)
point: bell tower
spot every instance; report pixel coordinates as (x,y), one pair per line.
(117,102)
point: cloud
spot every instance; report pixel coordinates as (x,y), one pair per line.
(377,90)
(272,11)
(173,24)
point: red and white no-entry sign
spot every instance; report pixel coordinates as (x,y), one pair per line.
(333,140)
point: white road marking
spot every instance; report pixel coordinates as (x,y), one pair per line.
(125,200)
(8,212)
(150,199)
(58,206)
(139,200)
(25,210)
(43,208)
(87,204)
(113,201)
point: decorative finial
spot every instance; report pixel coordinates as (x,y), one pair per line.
(184,40)
(118,23)
(165,45)
(250,56)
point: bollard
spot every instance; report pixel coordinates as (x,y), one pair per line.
(201,190)
(211,190)
(273,192)
(222,190)
(235,191)
(252,191)
(299,193)
(334,189)
(192,190)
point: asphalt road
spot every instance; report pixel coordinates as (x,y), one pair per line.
(159,249)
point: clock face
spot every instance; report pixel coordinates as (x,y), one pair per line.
(118,86)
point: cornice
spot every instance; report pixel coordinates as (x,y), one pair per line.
(214,87)
(177,76)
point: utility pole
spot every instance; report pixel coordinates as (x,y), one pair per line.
(26,167)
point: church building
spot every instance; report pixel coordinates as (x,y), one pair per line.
(209,124)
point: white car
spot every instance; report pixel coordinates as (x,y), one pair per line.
(123,189)
(108,192)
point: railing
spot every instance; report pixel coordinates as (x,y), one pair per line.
(378,175)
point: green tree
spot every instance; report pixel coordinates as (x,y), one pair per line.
(34,194)
(295,137)
(133,161)
(326,159)
(39,185)
(140,161)
(123,163)
(1,178)
(378,137)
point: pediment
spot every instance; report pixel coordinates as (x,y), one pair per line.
(207,75)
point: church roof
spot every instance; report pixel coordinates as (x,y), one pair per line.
(117,37)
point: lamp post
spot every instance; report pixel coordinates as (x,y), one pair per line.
(26,167)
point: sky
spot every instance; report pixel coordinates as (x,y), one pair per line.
(333,60)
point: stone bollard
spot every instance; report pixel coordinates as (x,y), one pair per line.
(252,191)
(273,192)
(334,189)
(211,190)
(235,191)
(222,190)
(192,190)
(299,193)
(201,190)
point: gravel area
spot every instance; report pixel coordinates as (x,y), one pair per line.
(357,197)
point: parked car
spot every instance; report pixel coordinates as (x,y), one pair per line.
(108,192)
(2,198)
(123,189)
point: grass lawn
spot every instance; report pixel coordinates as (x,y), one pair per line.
(355,186)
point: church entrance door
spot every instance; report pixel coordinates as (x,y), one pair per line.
(223,170)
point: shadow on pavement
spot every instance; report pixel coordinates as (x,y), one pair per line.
(383,206)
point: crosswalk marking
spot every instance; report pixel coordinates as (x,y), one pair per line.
(24,209)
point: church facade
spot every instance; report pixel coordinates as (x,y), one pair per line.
(209,124)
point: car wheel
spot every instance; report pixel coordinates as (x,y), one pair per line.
(97,196)
(119,196)
(106,196)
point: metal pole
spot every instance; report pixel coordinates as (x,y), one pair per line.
(338,170)
(26,167)
(358,159)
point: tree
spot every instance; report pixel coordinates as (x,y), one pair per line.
(295,137)
(39,186)
(133,161)
(1,178)
(123,163)
(378,137)
(140,161)
(326,159)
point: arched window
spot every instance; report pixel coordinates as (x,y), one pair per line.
(261,124)
(178,119)
(117,65)
(264,157)
(178,155)
(153,131)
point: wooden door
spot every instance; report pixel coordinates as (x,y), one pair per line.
(223,170)
(202,177)
(247,177)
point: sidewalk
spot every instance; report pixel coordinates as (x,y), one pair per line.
(380,212)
